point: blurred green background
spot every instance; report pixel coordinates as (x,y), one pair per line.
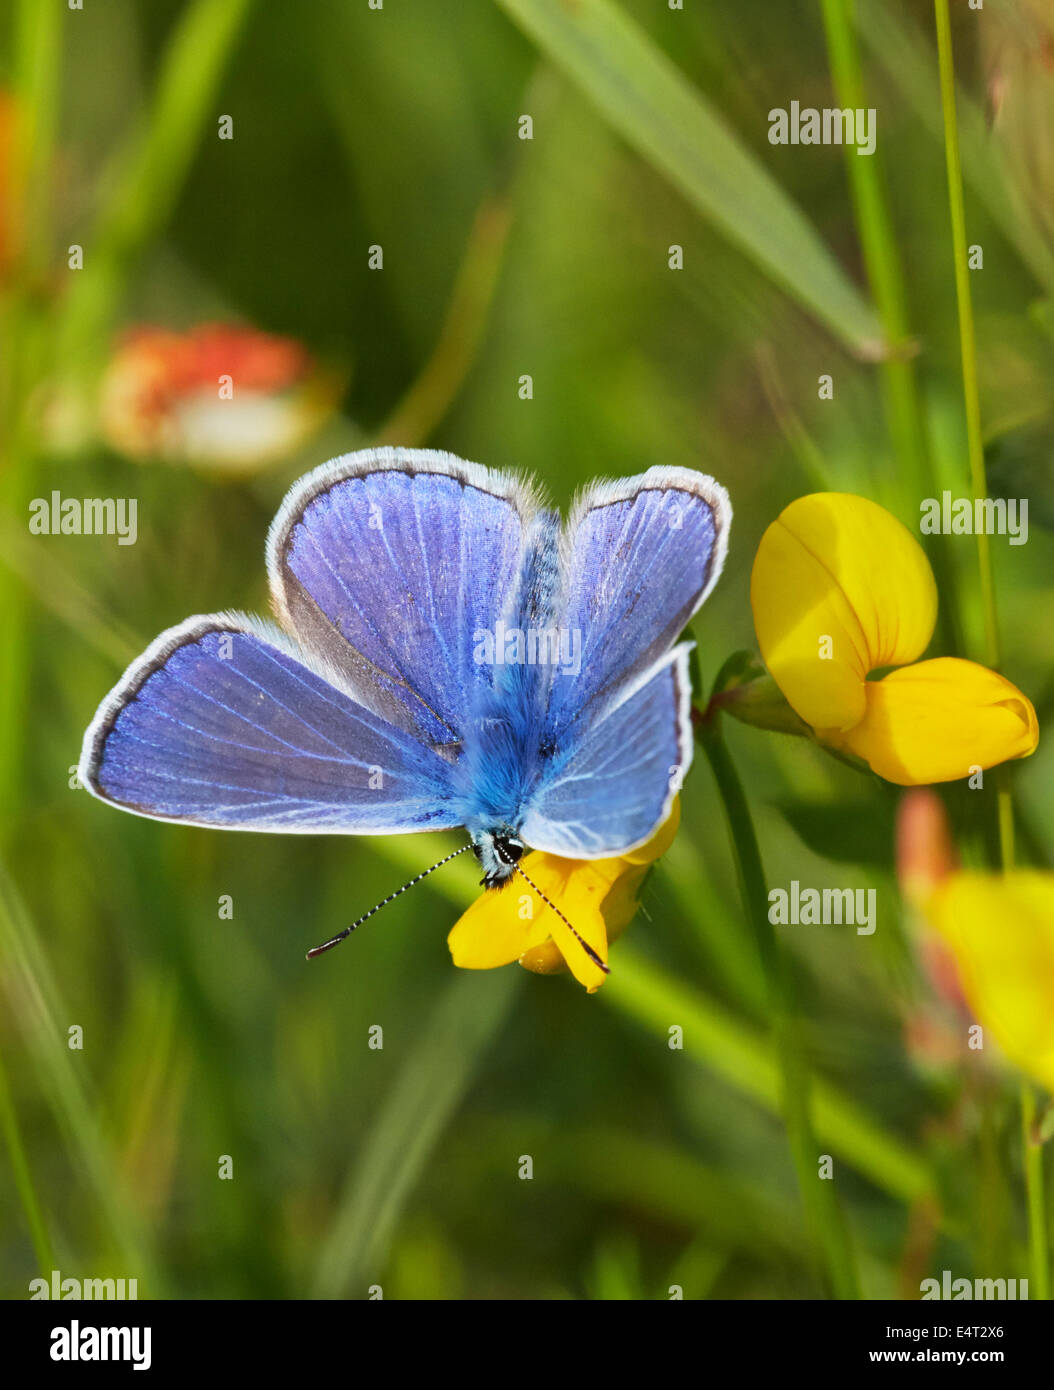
(204,1037)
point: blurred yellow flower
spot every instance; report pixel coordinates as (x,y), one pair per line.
(220,395)
(599,896)
(841,589)
(1000,929)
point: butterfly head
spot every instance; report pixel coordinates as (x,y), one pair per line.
(498,851)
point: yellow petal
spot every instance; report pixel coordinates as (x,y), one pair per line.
(935,721)
(508,923)
(616,882)
(497,929)
(838,567)
(619,881)
(545,959)
(579,896)
(597,896)
(1001,931)
(661,841)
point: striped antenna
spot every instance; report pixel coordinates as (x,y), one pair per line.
(336,940)
(549,903)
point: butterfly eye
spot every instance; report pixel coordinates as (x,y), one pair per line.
(511,851)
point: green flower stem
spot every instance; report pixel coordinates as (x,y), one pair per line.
(1032,1147)
(967,341)
(1037,1218)
(885,275)
(146,178)
(36,35)
(823,1214)
(879,245)
(1005,812)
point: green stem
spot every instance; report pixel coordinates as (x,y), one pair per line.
(885,274)
(1033,1152)
(878,243)
(146,179)
(967,340)
(38,41)
(823,1214)
(37,59)
(1005,812)
(1037,1211)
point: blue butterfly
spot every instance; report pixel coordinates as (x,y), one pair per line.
(447,656)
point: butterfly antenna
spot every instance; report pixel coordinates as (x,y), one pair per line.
(581,940)
(336,940)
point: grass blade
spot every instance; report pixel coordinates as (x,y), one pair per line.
(735,1052)
(36,1002)
(150,172)
(729,1047)
(23,1176)
(908,57)
(650,102)
(430,1086)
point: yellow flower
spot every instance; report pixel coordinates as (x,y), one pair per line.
(1000,928)
(840,589)
(598,896)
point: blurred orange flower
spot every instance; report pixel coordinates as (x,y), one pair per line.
(218,394)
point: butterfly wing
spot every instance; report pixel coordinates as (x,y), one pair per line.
(639,556)
(613,788)
(224,722)
(386,563)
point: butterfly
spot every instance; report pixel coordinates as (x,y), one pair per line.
(446,655)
